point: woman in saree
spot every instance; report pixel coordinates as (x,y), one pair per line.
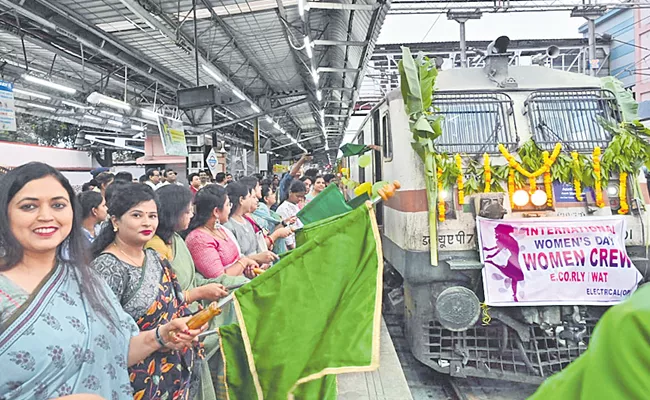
(147,290)
(252,244)
(271,221)
(274,235)
(213,247)
(60,338)
(174,216)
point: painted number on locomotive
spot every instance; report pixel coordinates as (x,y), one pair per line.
(445,240)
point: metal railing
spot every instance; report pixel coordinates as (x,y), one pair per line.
(475,122)
(571,117)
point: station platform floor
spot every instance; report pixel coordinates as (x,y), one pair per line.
(386,383)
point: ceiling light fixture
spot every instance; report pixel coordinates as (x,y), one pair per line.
(51,85)
(301,8)
(210,72)
(42,107)
(319,95)
(148,114)
(308,47)
(114,123)
(239,94)
(255,108)
(92,118)
(138,128)
(269,119)
(314,74)
(32,94)
(98,98)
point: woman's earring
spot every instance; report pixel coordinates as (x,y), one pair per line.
(115,228)
(3,251)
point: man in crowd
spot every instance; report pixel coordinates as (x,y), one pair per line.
(220,179)
(228,178)
(171,178)
(153,178)
(195,183)
(205,176)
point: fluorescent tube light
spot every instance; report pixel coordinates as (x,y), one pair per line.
(32,94)
(269,119)
(255,108)
(114,123)
(149,114)
(301,8)
(51,85)
(42,107)
(319,95)
(210,72)
(239,94)
(137,128)
(308,47)
(314,74)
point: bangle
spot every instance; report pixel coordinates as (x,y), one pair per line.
(158,338)
(240,262)
(271,240)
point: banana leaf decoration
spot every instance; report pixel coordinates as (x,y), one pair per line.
(418,77)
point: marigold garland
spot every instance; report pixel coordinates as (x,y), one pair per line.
(597,171)
(459,180)
(622,193)
(576,181)
(547,180)
(441,198)
(487,170)
(511,183)
(532,176)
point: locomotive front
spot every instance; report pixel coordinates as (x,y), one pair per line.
(492,117)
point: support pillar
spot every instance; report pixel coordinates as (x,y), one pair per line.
(590,13)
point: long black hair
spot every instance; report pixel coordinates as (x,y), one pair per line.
(237,190)
(123,198)
(205,201)
(174,200)
(88,201)
(73,250)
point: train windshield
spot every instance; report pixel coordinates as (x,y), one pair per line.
(475,122)
(571,117)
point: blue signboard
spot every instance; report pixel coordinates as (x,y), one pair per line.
(7,107)
(566,193)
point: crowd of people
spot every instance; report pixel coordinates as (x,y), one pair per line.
(96,287)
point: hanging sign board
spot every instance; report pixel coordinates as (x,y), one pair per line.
(212,162)
(549,261)
(172,135)
(7,107)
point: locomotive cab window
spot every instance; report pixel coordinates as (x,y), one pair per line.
(571,117)
(475,122)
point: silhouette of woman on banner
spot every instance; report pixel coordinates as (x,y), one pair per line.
(512,269)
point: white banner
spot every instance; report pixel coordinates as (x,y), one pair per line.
(549,261)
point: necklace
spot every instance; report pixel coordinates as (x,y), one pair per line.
(126,255)
(216,233)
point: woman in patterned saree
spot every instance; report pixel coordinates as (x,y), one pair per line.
(147,290)
(58,337)
(174,215)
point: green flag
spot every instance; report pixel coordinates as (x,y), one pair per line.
(351,149)
(615,365)
(313,315)
(328,203)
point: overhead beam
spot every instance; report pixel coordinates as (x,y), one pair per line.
(343,89)
(86,43)
(323,42)
(258,115)
(341,6)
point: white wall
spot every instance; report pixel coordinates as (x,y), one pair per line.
(16,154)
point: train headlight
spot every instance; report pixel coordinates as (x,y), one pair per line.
(445,195)
(520,198)
(612,191)
(539,198)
